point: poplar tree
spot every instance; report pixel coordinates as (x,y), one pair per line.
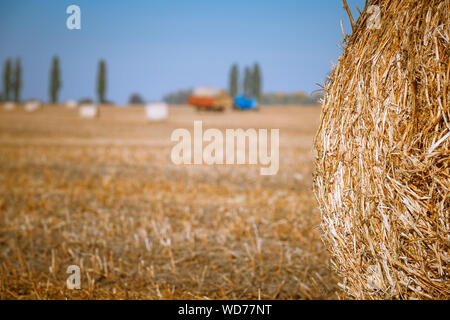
(17,81)
(101,81)
(234,80)
(55,80)
(7,81)
(248,82)
(256,81)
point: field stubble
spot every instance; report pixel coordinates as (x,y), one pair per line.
(103,194)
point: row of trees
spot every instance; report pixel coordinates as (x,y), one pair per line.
(295,98)
(178,97)
(251,86)
(12,81)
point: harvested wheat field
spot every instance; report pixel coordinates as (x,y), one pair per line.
(103,194)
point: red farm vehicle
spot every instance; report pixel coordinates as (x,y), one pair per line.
(210,99)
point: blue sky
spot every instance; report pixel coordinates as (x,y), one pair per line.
(154,47)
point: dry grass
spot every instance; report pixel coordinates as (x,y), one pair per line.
(103,194)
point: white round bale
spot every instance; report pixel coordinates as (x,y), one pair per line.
(88,111)
(32,106)
(204,91)
(9,106)
(71,104)
(157,111)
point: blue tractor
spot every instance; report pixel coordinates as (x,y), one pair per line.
(243,103)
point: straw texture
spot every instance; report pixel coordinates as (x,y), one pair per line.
(382,175)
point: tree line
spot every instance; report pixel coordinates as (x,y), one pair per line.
(250,86)
(12,81)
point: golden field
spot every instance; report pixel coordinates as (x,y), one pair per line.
(103,194)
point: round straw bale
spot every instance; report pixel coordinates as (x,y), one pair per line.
(382,176)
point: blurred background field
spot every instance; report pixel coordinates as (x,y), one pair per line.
(86,176)
(104,195)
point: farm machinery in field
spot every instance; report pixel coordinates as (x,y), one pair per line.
(210,99)
(243,103)
(219,100)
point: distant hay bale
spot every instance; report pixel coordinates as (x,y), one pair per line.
(9,106)
(156,111)
(32,106)
(382,176)
(71,104)
(89,111)
(206,92)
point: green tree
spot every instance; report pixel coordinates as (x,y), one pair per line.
(256,85)
(7,80)
(55,80)
(234,80)
(248,82)
(17,82)
(101,81)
